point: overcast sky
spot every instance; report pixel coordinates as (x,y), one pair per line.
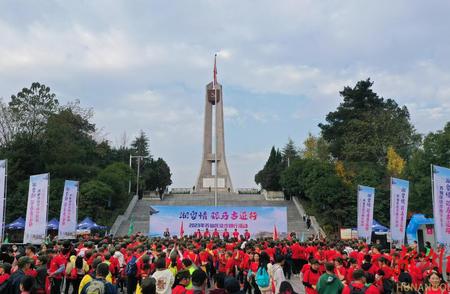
(144,65)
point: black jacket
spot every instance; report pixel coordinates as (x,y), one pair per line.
(14,282)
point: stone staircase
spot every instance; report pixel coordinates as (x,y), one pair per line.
(140,212)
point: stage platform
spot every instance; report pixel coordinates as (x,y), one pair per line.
(140,212)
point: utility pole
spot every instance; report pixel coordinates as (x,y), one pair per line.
(129,182)
(139,157)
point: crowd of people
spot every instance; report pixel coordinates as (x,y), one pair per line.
(224,264)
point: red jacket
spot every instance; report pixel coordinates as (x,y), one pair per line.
(310,278)
(356,285)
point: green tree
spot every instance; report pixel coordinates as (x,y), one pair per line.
(94,199)
(317,184)
(140,145)
(68,139)
(116,175)
(157,176)
(315,148)
(365,125)
(435,150)
(289,152)
(269,176)
(8,126)
(31,108)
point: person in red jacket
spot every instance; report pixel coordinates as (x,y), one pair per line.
(357,285)
(247,235)
(216,234)
(236,234)
(206,234)
(182,280)
(311,277)
(225,235)
(229,264)
(56,270)
(372,288)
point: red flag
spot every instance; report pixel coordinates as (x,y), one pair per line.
(441,259)
(215,73)
(181,230)
(275,233)
(404,251)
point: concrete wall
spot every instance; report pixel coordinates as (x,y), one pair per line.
(118,222)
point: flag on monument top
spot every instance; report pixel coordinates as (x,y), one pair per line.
(215,72)
(275,232)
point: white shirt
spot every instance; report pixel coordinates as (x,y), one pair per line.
(164,281)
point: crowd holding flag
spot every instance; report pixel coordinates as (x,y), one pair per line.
(38,196)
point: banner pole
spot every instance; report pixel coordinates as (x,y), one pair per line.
(76,210)
(48,205)
(391,209)
(4,202)
(432,198)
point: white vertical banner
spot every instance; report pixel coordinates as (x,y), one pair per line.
(37,208)
(399,208)
(3,166)
(366,196)
(69,211)
(441,203)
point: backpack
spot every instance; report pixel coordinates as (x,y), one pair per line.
(354,290)
(289,253)
(262,278)
(131,268)
(277,251)
(388,286)
(95,287)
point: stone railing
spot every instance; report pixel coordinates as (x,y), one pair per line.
(181,191)
(119,220)
(248,191)
(314,224)
(273,195)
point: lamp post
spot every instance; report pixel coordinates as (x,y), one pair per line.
(139,157)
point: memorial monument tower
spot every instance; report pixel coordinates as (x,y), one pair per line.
(214,145)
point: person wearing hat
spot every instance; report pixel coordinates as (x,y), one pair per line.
(24,264)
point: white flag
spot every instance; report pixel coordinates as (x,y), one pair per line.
(399,208)
(366,196)
(2,195)
(441,204)
(69,208)
(36,220)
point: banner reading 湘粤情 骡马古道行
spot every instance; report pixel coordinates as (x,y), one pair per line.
(2,195)
(69,209)
(259,221)
(36,219)
(366,196)
(441,203)
(399,208)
